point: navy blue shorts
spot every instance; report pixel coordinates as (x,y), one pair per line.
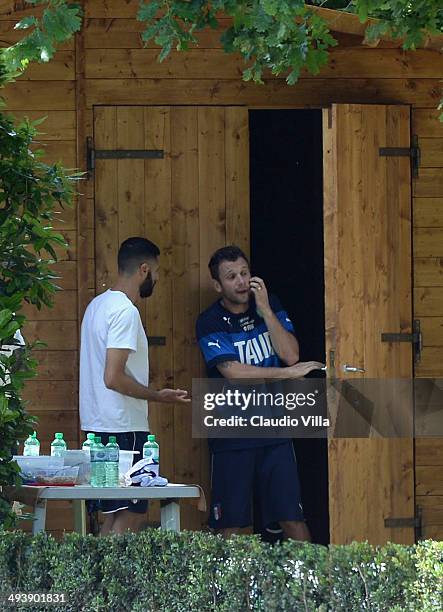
(132,440)
(266,473)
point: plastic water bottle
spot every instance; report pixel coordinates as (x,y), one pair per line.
(86,446)
(32,446)
(98,458)
(151,449)
(111,465)
(90,439)
(58,445)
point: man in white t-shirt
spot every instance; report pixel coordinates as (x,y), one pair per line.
(114,369)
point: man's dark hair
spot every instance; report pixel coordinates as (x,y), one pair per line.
(228,253)
(135,251)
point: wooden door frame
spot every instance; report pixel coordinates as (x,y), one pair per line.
(84,199)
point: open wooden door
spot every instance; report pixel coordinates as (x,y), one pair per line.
(367,213)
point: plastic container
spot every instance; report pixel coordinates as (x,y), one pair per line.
(47,471)
(80,458)
(126,459)
(42,462)
(61,477)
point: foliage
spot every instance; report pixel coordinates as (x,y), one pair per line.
(280,36)
(158,570)
(283,35)
(29,193)
(410,21)
(59,21)
(428,586)
(276,35)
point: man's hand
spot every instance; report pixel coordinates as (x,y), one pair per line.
(234,370)
(301,369)
(260,292)
(283,341)
(117,379)
(172,396)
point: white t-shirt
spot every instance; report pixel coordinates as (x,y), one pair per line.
(112,321)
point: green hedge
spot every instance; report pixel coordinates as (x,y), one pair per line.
(165,571)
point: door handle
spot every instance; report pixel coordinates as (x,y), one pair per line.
(349,368)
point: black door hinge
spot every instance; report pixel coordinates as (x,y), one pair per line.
(157,340)
(412,152)
(400,523)
(416,338)
(92,154)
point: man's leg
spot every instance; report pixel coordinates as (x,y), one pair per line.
(123,515)
(231,531)
(231,491)
(108,521)
(279,491)
(295,530)
(126,520)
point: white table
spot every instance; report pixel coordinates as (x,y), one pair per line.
(170,496)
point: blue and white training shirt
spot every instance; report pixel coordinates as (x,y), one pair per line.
(224,336)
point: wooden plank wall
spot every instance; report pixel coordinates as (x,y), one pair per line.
(110,67)
(428,305)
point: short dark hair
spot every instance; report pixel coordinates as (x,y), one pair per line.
(228,253)
(135,251)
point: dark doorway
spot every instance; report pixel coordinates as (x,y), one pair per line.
(286,175)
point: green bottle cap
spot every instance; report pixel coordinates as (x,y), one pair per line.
(151,438)
(34,434)
(98,439)
(59,436)
(91,436)
(112,439)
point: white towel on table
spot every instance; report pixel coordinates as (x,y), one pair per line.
(145,474)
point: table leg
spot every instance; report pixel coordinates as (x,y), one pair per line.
(170,514)
(79,516)
(39,516)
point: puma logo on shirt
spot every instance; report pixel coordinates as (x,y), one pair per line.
(214,344)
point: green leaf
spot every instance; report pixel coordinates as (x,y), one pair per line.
(150,32)
(5,316)
(26,23)
(362,10)
(148,10)
(8,330)
(165,51)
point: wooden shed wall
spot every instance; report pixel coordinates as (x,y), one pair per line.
(107,65)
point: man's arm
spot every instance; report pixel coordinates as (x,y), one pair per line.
(116,379)
(235,370)
(284,343)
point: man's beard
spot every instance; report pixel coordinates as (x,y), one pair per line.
(147,287)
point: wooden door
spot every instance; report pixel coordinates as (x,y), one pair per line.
(190,201)
(367,214)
